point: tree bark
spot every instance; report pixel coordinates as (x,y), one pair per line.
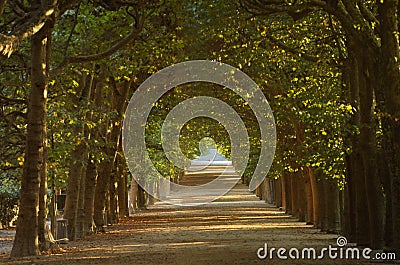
(353,163)
(90,173)
(44,243)
(259,190)
(293,196)
(43,231)
(100,195)
(349,211)
(141,198)
(288,192)
(80,229)
(278,192)
(309,197)
(113,196)
(26,237)
(122,205)
(362,219)
(314,190)
(332,202)
(322,205)
(105,170)
(300,196)
(73,190)
(122,188)
(384,172)
(90,183)
(389,105)
(368,145)
(133,196)
(270,191)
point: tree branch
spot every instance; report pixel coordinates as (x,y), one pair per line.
(346,11)
(367,14)
(94,57)
(68,41)
(17,9)
(292,50)
(4,100)
(10,43)
(350,16)
(2,6)
(273,7)
(341,50)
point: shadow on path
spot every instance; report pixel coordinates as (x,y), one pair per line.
(227,231)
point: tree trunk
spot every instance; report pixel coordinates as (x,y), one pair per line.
(133,196)
(90,174)
(26,237)
(349,211)
(270,191)
(122,188)
(122,205)
(300,196)
(74,201)
(141,198)
(100,195)
(384,172)
(314,193)
(80,229)
(86,97)
(389,105)
(113,197)
(368,146)
(332,202)
(153,190)
(43,231)
(90,183)
(44,243)
(355,170)
(119,102)
(362,219)
(288,193)
(73,190)
(293,195)
(273,191)
(322,223)
(314,190)
(309,197)
(278,192)
(259,190)
(126,211)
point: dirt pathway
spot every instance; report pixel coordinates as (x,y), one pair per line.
(228,231)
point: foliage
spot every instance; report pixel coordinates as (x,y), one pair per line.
(9,197)
(295,62)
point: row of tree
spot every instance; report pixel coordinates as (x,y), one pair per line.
(365,34)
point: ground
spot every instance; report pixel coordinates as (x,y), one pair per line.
(228,231)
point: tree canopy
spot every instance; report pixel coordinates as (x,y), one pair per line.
(329,70)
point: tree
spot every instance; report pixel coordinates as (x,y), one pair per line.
(364,23)
(37,20)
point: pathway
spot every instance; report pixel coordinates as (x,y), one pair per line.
(227,231)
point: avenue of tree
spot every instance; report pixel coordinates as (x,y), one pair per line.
(329,69)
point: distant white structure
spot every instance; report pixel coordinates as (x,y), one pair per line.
(211,158)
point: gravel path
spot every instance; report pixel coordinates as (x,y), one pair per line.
(227,231)
(6,239)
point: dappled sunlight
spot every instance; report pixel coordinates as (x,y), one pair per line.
(237,225)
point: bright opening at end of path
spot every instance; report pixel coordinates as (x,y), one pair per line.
(153,88)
